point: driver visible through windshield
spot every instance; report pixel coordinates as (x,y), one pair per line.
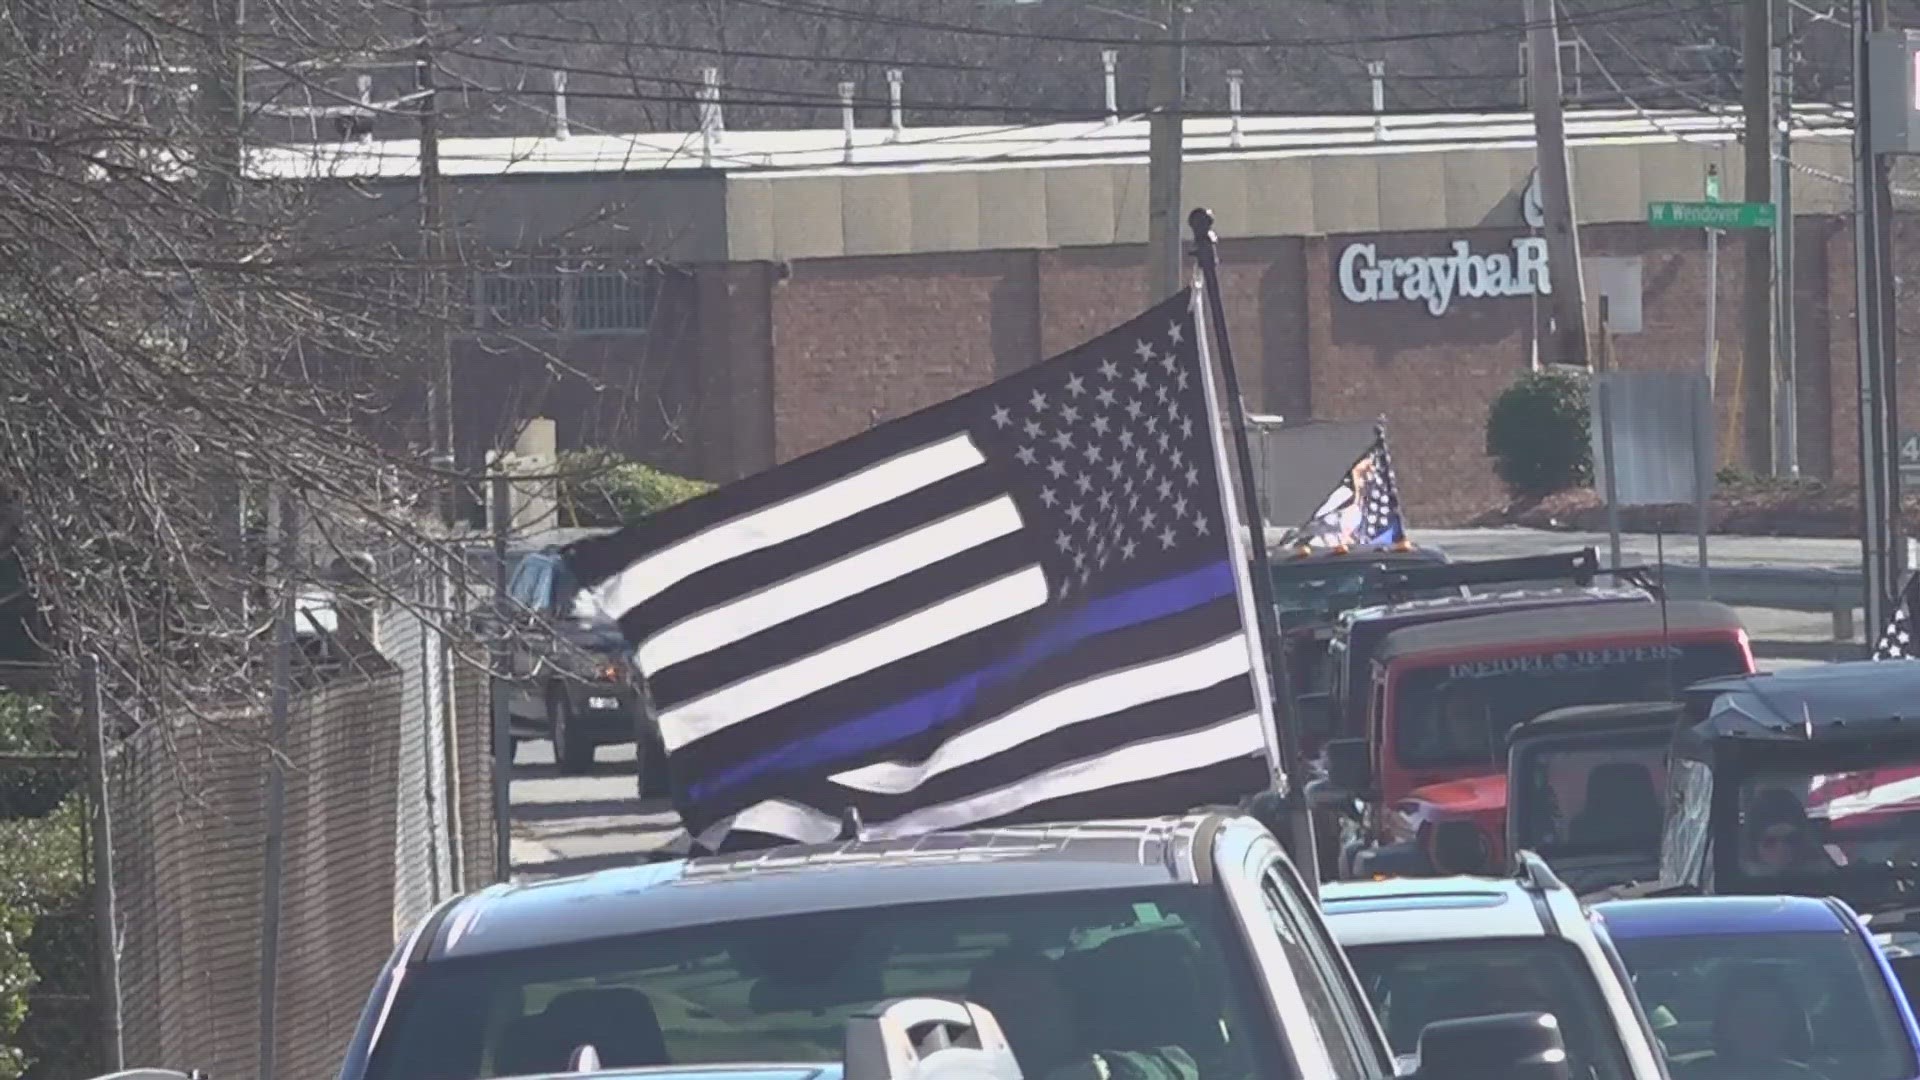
(1808,1005)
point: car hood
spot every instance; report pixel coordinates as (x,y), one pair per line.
(1473,794)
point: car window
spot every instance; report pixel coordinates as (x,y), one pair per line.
(1458,714)
(1689,819)
(1581,801)
(1731,1005)
(1313,963)
(1143,980)
(529,582)
(1413,984)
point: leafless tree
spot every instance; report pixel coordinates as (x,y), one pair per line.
(177,340)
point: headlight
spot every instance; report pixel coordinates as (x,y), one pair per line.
(1459,847)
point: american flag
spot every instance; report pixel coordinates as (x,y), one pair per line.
(1363,509)
(1025,603)
(1896,641)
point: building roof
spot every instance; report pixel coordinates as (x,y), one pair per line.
(823,151)
(1446,909)
(1676,916)
(1544,629)
(794,880)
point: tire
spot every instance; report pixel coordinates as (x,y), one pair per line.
(573,756)
(650,768)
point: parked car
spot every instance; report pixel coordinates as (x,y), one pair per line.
(1757,987)
(1429,950)
(1181,947)
(572,679)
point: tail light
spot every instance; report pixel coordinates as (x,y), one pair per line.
(611,671)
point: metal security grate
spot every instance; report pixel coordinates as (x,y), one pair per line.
(561,300)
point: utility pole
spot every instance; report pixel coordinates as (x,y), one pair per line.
(433,255)
(1786,442)
(1883,554)
(1887,331)
(223,116)
(1165,222)
(1757,361)
(1556,184)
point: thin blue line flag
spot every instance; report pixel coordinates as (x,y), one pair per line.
(1026,603)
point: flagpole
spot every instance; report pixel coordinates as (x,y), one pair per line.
(1306,853)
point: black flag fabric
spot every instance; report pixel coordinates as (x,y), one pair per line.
(1025,603)
(1896,641)
(1363,509)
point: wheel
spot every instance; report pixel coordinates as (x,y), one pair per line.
(650,768)
(573,756)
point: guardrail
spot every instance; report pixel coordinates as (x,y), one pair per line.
(1830,590)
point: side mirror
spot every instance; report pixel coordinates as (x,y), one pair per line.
(1315,712)
(1350,765)
(1513,1046)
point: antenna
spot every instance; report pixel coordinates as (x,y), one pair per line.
(851,827)
(1660,597)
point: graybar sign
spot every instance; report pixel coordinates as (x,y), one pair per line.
(1367,278)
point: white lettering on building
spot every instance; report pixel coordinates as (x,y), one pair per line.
(1367,278)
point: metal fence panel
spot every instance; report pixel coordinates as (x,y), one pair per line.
(1662,432)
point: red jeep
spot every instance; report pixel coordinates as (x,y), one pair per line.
(1429,786)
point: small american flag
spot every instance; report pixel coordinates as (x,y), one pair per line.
(1896,641)
(1028,601)
(1363,509)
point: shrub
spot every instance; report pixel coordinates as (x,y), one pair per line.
(1537,433)
(601,489)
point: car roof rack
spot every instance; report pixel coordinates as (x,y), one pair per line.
(1579,567)
(927,1038)
(1533,873)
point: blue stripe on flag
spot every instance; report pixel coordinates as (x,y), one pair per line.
(930,709)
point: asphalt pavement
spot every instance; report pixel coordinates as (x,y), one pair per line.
(576,824)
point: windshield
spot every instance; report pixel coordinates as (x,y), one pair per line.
(1413,984)
(1458,714)
(1824,825)
(1575,801)
(1141,979)
(1731,1006)
(1320,588)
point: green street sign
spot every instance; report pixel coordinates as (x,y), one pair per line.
(1712,215)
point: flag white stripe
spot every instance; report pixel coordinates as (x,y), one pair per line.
(954,617)
(878,483)
(829,583)
(1091,699)
(1223,742)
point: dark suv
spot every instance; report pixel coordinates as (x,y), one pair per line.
(571,679)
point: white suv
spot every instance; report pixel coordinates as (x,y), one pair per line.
(1428,949)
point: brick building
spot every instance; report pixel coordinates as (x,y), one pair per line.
(717,306)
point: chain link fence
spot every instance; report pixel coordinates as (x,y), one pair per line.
(253,904)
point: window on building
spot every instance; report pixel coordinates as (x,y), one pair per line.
(553,298)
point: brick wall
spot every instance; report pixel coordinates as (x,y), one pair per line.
(852,341)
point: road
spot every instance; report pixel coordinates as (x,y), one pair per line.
(566,825)
(576,824)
